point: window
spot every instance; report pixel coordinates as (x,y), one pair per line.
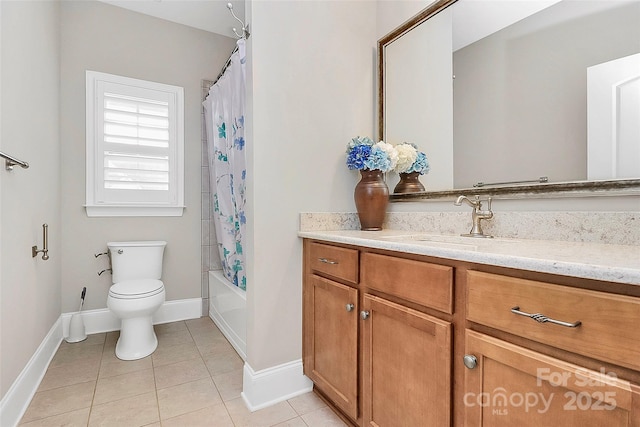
(135,147)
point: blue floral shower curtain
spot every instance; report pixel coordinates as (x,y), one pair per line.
(224,120)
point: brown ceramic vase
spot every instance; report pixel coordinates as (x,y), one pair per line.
(372,197)
(409,183)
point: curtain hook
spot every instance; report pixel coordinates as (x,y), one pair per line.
(245,28)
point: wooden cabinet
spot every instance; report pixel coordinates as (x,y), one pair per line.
(608,324)
(333,329)
(406,366)
(399,374)
(331,326)
(406,340)
(514,386)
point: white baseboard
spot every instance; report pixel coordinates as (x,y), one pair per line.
(273,385)
(17,399)
(102,320)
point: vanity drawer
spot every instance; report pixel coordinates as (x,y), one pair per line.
(609,328)
(341,263)
(430,285)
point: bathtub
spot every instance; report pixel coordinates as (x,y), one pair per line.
(228,310)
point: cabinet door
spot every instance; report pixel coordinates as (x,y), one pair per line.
(406,366)
(514,386)
(331,341)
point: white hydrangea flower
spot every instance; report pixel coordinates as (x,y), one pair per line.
(391,152)
(407,154)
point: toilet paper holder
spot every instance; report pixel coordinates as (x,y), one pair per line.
(45,244)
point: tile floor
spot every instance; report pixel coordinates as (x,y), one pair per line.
(193,379)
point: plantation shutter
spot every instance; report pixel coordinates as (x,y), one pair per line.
(135,145)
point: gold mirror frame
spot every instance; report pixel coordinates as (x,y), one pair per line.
(613,187)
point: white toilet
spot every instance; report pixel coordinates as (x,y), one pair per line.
(136,294)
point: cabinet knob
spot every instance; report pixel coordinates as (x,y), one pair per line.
(350,307)
(470,361)
(364,315)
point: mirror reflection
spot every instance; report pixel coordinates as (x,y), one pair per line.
(554,94)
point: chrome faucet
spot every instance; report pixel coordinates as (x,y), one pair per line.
(476,215)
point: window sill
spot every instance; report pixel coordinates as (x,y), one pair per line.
(139,210)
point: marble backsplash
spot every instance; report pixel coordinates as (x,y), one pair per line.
(621,228)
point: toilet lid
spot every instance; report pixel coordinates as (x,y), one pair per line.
(140,288)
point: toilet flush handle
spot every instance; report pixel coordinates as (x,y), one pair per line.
(120,251)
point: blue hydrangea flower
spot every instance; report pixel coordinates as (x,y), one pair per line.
(357,156)
(378,159)
(358,141)
(421,165)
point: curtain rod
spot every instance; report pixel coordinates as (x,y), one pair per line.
(225,66)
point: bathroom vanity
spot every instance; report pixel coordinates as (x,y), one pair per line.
(424,330)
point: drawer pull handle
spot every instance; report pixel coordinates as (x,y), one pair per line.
(364,315)
(327,261)
(350,307)
(541,318)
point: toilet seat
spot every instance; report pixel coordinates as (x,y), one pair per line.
(135,289)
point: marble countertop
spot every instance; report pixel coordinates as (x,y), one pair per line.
(614,263)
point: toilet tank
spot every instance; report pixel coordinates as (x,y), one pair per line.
(136,260)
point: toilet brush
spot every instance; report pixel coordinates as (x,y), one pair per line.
(76,325)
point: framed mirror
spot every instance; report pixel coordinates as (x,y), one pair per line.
(501,94)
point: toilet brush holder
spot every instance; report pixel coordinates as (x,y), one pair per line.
(76,325)
(76,329)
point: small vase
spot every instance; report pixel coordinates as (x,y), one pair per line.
(372,197)
(409,183)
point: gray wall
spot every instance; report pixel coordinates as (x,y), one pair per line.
(520,95)
(45,49)
(101,37)
(310,83)
(29,287)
